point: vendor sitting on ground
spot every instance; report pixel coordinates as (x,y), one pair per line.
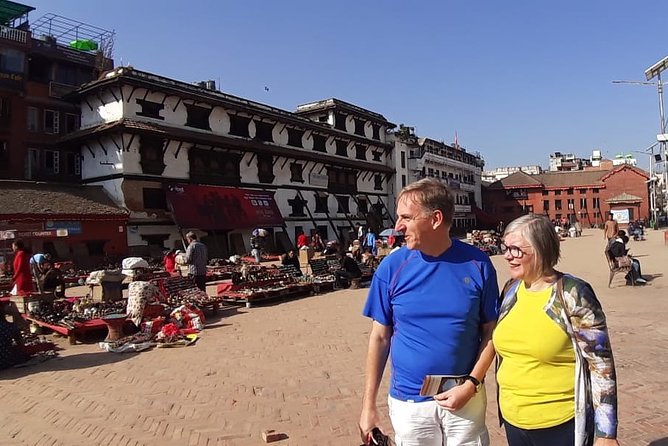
(291,259)
(349,270)
(51,280)
(618,249)
(11,341)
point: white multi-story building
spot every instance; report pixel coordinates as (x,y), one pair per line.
(500,173)
(417,158)
(181,156)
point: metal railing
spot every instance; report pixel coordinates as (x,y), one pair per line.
(13,34)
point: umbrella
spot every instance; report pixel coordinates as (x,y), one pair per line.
(260,232)
(390,231)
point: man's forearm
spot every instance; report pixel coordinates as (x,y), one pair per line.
(375,365)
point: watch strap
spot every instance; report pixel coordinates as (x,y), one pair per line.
(475,382)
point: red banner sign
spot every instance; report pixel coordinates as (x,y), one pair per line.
(222,208)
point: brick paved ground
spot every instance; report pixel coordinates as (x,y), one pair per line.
(297,367)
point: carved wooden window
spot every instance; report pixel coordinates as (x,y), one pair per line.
(344,204)
(340,121)
(360,152)
(341,181)
(376,132)
(239,125)
(215,167)
(295,137)
(297,205)
(151,155)
(297,172)
(321,203)
(377,182)
(362,205)
(341,147)
(359,127)
(264,131)
(265,168)
(319,143)
(154,198)
(198,117)
(150,109)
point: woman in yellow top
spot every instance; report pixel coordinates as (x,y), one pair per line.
(556,373)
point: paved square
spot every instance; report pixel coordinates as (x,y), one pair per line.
(297,367)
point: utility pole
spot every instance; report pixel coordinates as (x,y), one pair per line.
(652,72)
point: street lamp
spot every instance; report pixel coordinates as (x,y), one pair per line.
(650,73)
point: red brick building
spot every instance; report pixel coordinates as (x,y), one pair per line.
(586,196)
(70,222)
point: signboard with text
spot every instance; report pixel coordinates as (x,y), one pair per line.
(72,227)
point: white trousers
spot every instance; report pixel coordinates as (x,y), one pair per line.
(428,424)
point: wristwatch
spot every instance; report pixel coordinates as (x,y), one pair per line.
(474,380)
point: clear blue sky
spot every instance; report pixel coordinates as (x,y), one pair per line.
(516,80)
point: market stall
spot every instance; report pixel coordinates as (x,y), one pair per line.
(258,283)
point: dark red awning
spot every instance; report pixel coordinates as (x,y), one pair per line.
(222,208)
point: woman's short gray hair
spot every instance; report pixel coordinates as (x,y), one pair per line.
(539,232)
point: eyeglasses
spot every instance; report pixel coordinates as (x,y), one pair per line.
(514,251)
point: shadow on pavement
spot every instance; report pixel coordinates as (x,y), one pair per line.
(650,277)
(70,362)
(660,442)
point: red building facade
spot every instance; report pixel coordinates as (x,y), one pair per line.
(78,223)
(586,196)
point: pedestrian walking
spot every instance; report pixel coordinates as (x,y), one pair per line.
(196,257)
(22,277)
(556,372)
(434,306)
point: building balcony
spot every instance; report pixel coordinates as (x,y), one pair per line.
(13,34)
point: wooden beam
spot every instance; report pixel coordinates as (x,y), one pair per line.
(88,104)
(104,149)
(132,93)
(164,149)
(115,143)
(178,149)
(111,90)
(250,160)
(132,138)
(286,160)
(177,104)
(90,150)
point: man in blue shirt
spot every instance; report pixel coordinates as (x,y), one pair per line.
(434,306)
(370,242)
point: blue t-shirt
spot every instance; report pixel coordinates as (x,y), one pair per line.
(435,306)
